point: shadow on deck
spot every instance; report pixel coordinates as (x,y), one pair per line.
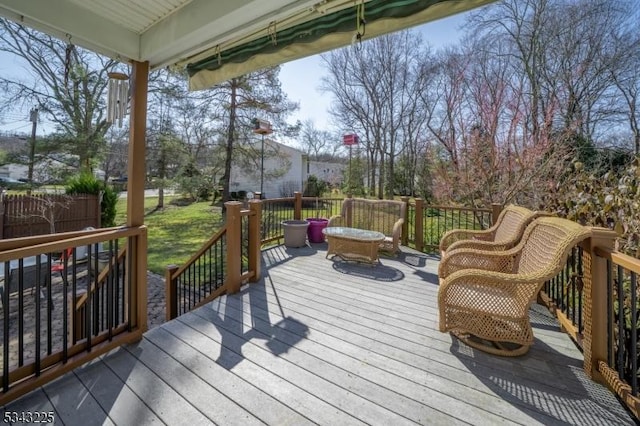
(328,342)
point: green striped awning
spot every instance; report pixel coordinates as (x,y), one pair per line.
(316,33)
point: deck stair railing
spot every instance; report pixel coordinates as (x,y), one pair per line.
(104,303)
(40,288)
(228,259)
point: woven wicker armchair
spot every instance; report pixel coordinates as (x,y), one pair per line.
(487,305)
(503,235)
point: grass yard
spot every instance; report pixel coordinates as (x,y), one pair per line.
(176,232)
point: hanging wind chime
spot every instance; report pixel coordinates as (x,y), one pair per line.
(117,97)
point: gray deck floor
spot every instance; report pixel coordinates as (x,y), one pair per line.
(327,342)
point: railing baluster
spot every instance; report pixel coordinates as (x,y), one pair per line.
(37,311)
(89,302)
(113,257)
(38,325)
(565,282)
(74,294)
(196,281)
(20,311)
(128,286)
(5,330)
(49,304)
(620,286)
(65,311)
(634,335)
(580,291)
(116,282)
(610,313)
(574,284)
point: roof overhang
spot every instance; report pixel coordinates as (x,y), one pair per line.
(206,35)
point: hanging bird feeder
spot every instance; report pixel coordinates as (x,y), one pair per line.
(117,97)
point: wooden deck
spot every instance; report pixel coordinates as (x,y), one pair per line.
(328,342)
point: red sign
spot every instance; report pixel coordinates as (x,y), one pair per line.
(350,139)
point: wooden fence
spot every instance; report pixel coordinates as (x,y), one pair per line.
(27,215)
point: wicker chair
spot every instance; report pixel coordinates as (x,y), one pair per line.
(487,305)
(503,235)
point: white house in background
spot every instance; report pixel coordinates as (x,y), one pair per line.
(285,170)
(43,171)
(14,171)
(333,173)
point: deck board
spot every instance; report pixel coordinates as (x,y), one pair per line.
(74,403)
(110,391)
(319,341)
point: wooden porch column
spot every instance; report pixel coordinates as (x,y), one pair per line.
(297,211)
(255,236)
(347,206)
(171,293)
(234,246)
(404,239)
(136,167)
(496,209)
(136,174)
(418,225)
(595,301)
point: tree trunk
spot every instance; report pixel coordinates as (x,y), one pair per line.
(226,177)
(162,174)
(381,173)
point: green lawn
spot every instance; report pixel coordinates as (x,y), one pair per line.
(175,232)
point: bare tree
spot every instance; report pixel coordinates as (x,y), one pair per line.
(626,78)
(568,52)
(316,142)
(64,82)
(373,84)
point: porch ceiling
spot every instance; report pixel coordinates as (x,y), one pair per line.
(180,32)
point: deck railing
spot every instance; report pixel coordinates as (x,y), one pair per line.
(103,305)
(45,280)
(595,299)
(276,210)
(425,224)
(228,259)
(423,228)
(616,301)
